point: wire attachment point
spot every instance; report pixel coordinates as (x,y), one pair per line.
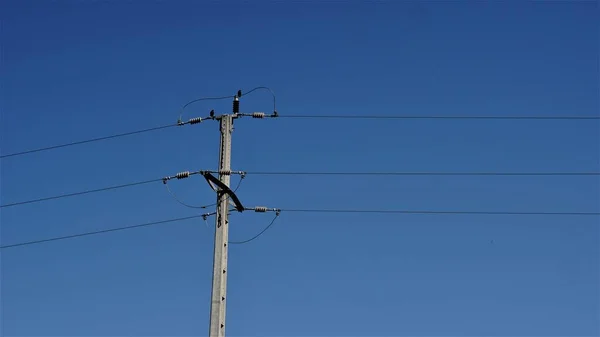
(263,209)
(206,215)
(195,120)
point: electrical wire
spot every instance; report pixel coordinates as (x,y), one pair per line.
(223,97)
(199,100)
(183,203)
(441,117)
(425,173)
(238,184)
(315,173)
(86,141)
(195,206)
(438,212)
(131,132)
(264,88)
(80,193)
(257,235)
(15,154)
(306,210)
(26,243)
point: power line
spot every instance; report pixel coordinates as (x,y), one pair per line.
(60,196)
(427,173)
(98,232)
(441,117)
(200,100)
(80,193)
(257,235)
(308,210)
(15,154)
(87,141)
(405,212)
(307,117)
(264,88)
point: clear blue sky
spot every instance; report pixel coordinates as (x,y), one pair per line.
(73,70)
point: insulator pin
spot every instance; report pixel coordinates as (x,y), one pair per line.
(182,175)
(195,120)
(260,209)
(258,115)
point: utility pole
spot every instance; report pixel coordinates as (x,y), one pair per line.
(225,197)
(219,279)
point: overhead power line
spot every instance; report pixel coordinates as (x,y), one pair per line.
(26,243)
(415,173)
(306,117)
(87,141)
(179,123)
(513,174)
(448,212)
(310,210)
(80,193)
(442,117)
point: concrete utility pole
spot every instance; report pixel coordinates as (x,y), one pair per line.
(225,198)
(219,280)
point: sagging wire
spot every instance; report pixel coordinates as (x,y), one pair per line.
(179,121)
(196,206)
(182,202)
(268,89)
(212,116)
(259,234)
(258,209)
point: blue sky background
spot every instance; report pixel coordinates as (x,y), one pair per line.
(73,70)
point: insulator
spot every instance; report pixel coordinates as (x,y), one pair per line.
(236,105)
(260,209)
(182,175)
(258,115)
(195,120)
(225,172)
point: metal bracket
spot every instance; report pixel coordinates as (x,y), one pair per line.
(225,189)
